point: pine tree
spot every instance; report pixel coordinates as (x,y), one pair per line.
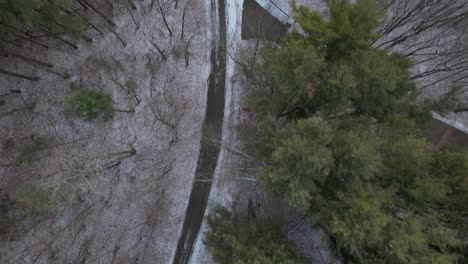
(351,155)
(332,68)
(25,20)
(40,15)
(90,104)
(233,239)
(364,182)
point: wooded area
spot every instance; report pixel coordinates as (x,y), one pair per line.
(101,106)
(341,134)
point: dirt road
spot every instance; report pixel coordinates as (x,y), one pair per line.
(211,139)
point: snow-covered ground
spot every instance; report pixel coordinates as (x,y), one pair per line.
(111,208)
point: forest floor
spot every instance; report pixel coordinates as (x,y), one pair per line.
(116,191)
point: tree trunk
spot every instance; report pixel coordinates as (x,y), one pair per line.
(132,4)
(10,165)
(109,3)
(131,151)
(460,110)
(24,108)
(63,75)
(82,4)
(69,43)
(118,36)
(89,23)
(187,51)
(19,34)
(55,36)
(133,17)
(24,58)
(156,46)
(124,111)
(183,23)
(163,13)
(19,75)
(110,22)
(18,45)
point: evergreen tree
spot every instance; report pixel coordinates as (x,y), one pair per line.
(352,155)
(332,68)
(350,27)
(90,104)
(364,182)
(299,160)
(39,15)
(27,20)
(236,240)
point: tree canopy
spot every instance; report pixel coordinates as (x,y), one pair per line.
(362,184)
(90,104)
(40,15)
(350,152)
(233,239)
(333,67)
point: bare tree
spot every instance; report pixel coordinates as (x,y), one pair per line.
(428,32)
(169,108)
(156,46)
(95,9)
(163,7)
(21,76)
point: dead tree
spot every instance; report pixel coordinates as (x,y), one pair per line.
(163,9)
(131,6)
(156,46)
(20,34)
(130,88)
(183,21)
(21,76)
(118,37)
(124,154)
(409,18)
(97,11)
(169,108)
(187,51)
(5,53)
(44,65)
(28,107)
(84,19)
(428,32)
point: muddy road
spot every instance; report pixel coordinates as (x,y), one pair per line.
(211,138)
